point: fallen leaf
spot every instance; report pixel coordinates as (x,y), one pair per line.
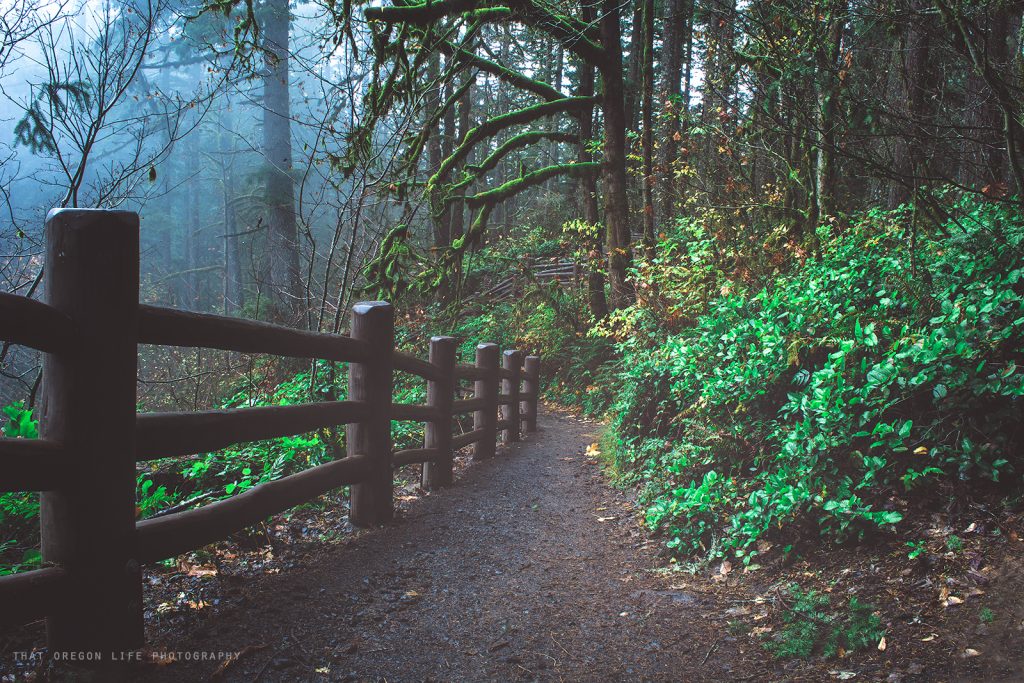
(219,671)
(930,638)
(971,652)
(843,675)
(882,644)
(952,600)
(725,568)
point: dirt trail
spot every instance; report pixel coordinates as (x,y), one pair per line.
(529,568)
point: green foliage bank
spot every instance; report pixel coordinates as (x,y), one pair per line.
(825,399)
(767,394)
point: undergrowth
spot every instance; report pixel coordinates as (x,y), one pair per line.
(811,627)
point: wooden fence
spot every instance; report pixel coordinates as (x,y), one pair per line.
(563,272)
(84,463)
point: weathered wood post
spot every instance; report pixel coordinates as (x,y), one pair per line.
(440,394)
(511,361)
(88,404)
(486,388)
(531,389)
(371,382)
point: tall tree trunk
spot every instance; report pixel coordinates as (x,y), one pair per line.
(588,189)
(234,298)
(647,125)
(827,86)
(616,202)
(675,27)
(716,104)
(912,148)
(192,233)
(458,209)
(285,283)
(634,65)
(441,225)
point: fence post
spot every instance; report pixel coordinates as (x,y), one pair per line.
(88,404)
(531,387)
(511,360)
(371,382)
(487,417)
(440,394)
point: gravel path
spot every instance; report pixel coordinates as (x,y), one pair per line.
(529,568)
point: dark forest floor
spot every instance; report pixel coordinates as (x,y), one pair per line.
(531,567)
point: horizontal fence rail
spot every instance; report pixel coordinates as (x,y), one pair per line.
(91,436)
(538,270)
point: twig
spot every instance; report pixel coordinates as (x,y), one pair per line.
(181,506)
(707,654)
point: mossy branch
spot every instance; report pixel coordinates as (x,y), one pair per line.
(430,125)
(523,182)
(513,78)
(495,157)
(494,125)
(580,37)
(485,202)
(517,142)
(420,14)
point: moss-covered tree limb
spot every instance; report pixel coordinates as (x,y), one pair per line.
(513,78)
(517,142)
(492,126)
(421,14)
(523,182)
(577,36)
(485,201)
(430,124)
(494,158)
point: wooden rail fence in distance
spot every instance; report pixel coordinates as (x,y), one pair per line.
(84,463)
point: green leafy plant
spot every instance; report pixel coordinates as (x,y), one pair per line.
(20,424)
(811,626)
(825,396)
(917,548)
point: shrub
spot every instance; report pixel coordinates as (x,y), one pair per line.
(825,397)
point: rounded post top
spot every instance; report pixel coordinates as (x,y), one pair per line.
(441,339)
(371,307)
(486,346)
(68,212)
(87,218)
(509,353)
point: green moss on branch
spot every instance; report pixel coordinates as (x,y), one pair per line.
(492,126)
(517,185)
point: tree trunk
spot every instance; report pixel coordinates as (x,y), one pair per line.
(616,203)
(588,190)
(716,105)
(192,232)
(233,291)
(647,125)
(442,238)
(285,284)
(827,85)
(458,209)
(675,27)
